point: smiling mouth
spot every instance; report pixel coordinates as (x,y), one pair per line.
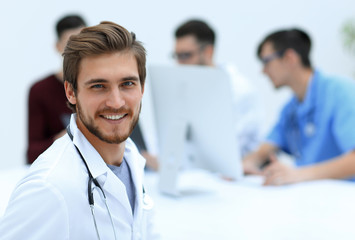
(114,117)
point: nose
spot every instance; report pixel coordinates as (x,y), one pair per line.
(115,99)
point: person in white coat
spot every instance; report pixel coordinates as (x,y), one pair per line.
(195,45)
(88,184)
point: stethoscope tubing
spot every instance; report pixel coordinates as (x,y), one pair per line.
(90,193)
(147,201)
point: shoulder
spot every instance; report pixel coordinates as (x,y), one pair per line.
(57,165)
(335,87)
(235,74)
(31,203)
(39,195)
(241,85)
(331,80)
(43,84)
(58,171)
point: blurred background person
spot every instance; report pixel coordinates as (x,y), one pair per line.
(316,126)
(195,45)
(48,113)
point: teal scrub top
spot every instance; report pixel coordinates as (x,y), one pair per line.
(322,126)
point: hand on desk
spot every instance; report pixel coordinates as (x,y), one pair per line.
(251,167)
(277,173)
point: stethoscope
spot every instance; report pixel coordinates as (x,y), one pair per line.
(294,129)
(147,201)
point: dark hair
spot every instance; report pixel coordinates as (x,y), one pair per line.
(107,37)
(69,22)
(203,33)
(295,39)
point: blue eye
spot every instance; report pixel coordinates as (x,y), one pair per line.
(97,86)
(128,83)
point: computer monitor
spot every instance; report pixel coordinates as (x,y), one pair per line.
(195,122)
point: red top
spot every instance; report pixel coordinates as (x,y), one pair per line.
(48,114)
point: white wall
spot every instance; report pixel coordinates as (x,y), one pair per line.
(27,43)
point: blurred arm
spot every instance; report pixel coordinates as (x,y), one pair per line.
(253,161)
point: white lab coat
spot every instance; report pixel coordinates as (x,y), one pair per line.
(248,112)
(51,202)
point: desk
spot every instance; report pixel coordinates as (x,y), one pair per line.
(211,208)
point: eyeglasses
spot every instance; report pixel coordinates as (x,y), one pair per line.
(271,57)
(183,56)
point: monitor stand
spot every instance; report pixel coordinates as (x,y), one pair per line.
(172,156)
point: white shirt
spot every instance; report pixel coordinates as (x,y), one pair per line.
(51,201)
(247,110)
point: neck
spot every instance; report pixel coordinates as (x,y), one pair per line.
(111,153)
(299,82)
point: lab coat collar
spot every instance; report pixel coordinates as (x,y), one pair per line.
(106,178)
(95,163)
(136,163)
(113,185)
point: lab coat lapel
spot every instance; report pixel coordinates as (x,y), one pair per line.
(113,187)
(116,190)
(95,163)
(136,164)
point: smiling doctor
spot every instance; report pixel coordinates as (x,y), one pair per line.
(88,184)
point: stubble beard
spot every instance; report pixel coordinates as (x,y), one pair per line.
(94,129)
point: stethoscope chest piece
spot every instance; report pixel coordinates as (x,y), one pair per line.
(310,129)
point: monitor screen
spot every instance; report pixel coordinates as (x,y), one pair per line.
(195,119)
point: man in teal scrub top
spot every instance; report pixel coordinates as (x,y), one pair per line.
(317,125)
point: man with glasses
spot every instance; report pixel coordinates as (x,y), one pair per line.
(316,126)
(194,45)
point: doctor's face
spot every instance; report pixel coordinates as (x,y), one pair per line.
(108,98)
(189,51)
(274,65)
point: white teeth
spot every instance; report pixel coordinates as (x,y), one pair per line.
(113,117)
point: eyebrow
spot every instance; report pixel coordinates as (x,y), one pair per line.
(101,80)
(132,78)
(98,80)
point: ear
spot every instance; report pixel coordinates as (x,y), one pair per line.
(69,92)
(209,51)
(292,56)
